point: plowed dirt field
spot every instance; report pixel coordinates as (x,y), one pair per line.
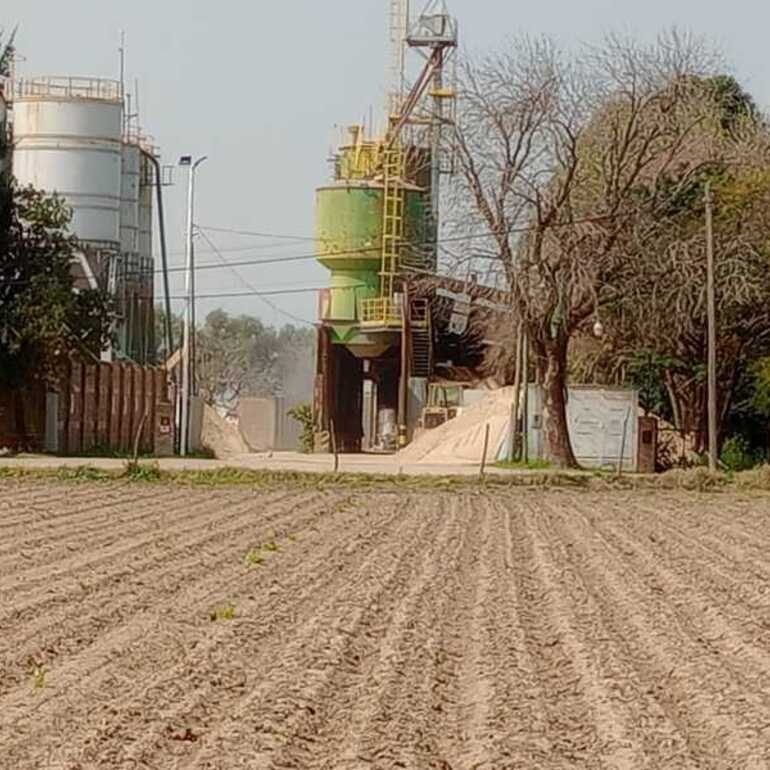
(148,626)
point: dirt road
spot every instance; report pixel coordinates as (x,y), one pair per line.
(144,626)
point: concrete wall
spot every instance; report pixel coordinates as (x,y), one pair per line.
(266,426)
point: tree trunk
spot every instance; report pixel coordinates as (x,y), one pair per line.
(557,441)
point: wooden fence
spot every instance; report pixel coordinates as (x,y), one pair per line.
(108,406)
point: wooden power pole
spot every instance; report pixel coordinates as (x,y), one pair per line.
(712,333)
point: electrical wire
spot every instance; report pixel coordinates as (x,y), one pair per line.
(377,249)
(255,292)
(255,234)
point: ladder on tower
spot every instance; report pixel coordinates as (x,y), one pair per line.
(393,217)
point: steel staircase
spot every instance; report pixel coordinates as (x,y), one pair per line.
(421,338)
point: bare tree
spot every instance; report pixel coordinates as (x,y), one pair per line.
(553,153)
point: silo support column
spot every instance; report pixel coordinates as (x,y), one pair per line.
(403,385)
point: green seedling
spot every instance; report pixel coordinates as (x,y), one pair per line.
(271,546)
(222,613)
(254,558)
(38,676)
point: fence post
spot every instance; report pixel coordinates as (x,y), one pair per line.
(334,446)
(484,453)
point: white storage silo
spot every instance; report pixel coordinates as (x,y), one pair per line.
(67,140)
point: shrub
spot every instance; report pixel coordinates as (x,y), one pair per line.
(737,455)
(303,414)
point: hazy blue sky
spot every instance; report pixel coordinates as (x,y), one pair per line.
(259,86)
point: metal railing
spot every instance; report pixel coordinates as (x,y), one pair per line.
(419,315)
(379,312)
(58,87)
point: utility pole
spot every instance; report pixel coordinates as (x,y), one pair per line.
(712,332)
(188,364)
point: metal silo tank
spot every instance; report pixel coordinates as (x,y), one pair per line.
(349,219)
(67,140)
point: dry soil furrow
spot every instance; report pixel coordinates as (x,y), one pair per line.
(728,592)
(87,508)
(325,652)
(465,684)
(153,558)
(67,631)
(24,499)
(594,678)
(713,604)
(145,722)
(738,566)
(151,518)
(653,733)
(746,524)
(122,553)
(153,610)
(385,712)
(718,717)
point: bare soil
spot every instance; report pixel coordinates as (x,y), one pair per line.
(478,630)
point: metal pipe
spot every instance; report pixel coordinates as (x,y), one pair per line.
(169,331)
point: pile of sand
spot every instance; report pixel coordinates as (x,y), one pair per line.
(222,437)
(462,439)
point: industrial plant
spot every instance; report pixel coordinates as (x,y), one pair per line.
(77,137)
(383,335)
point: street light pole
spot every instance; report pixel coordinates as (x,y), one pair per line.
(188,364)
(712,333)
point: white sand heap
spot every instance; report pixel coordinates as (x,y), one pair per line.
(462,439)
(222,437)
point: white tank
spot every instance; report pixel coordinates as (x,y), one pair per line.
(129,198)
(67,140)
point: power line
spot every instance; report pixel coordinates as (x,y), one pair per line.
(255,234)
(377,249)
(248,285)
(255,293)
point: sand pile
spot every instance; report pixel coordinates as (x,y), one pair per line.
(462,439)
(221,436)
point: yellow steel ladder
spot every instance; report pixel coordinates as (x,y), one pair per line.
(393,217)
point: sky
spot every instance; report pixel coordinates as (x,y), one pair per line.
(261,88)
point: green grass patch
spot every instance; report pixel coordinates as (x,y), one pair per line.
(529,465)
(136,471)
(696,479)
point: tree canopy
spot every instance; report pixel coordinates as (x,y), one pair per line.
(587,174)
(42,318)
(239,356)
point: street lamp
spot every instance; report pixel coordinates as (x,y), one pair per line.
(188,343)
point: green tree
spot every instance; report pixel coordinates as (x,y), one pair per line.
(238,356)
(42,318)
